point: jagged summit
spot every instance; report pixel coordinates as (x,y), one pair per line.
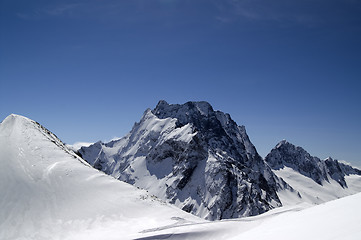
(163,108)
(202,161)
(289,155)
(282,143)
(209,124)
(286,154)
(194,157)
(57,197)
(190,112)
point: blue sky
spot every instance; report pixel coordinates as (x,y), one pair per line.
(285,69)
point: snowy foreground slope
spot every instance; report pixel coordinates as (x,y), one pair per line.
(337,219)
(47,192)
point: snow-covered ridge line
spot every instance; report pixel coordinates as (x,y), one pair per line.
(194,157)
(203,162)
(47,193)
(286,154)
(46,133)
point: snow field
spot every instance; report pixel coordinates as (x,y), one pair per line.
(47,192)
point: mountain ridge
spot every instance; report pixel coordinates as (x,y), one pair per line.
(49,192)
(285,154)
(210,167)
(203,162)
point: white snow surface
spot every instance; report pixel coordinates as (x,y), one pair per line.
(47,192)
(149,133)
(133,159)
(338,219)
(310,191)
(161,155)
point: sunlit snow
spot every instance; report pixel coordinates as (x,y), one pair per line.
(47,192)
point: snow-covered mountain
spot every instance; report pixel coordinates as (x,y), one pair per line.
(204,163)
(286,154)
(48,192)
(316,180)
(194,157)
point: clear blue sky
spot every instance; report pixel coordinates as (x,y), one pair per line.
(285,69)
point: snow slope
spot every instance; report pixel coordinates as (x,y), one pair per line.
(314,193)
(47,192)
(286,154)
(316,181)
(338,219)
(201,161)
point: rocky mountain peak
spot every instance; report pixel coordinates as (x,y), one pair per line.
(197,113)
(215,127)
(286,154)
(194,157)
(284,143)
(164,109)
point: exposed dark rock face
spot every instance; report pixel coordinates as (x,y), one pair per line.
(204,163)
(194,157)
(286,154)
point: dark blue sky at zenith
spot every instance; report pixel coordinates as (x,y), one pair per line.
(285,69)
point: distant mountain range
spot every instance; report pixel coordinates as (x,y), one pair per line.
(201,161)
